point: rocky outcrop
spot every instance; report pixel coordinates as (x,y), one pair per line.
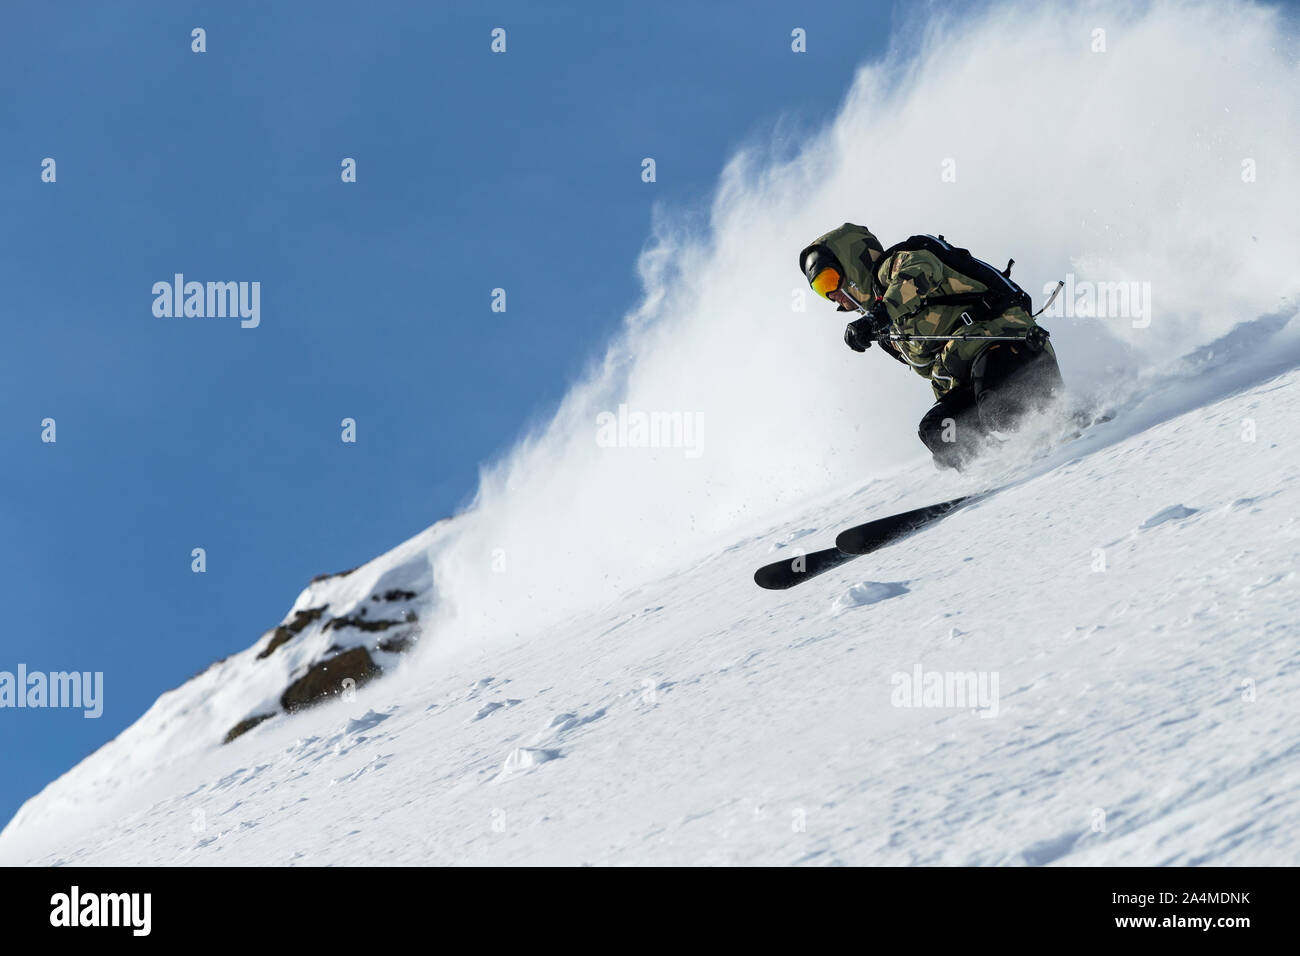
(286,632)
(362,623)
(337,574)
(373,621)
(244,726)
(398,644)
(325,679)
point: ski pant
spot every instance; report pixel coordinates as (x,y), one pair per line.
(1007,381)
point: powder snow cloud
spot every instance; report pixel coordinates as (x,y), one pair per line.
(1006,130)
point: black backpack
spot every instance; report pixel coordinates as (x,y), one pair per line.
(1002,293)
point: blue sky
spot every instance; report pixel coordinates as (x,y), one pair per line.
(475,171)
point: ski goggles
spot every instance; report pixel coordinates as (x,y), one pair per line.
(826,281)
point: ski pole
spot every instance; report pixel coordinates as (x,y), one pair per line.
(961,338)
(1038,334)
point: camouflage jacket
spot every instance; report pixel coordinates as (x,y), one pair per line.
(910,278)
(909,281)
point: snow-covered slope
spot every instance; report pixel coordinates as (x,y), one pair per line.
(1129,606)
(368,611)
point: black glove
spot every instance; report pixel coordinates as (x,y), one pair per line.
(860,333)
(857,335)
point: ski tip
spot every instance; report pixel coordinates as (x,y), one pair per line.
(768,583)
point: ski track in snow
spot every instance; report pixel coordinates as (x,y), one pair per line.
(1136,600)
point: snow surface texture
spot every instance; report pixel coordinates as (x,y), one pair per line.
(600,681)
(700,720)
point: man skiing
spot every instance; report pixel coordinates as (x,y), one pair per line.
(952,318)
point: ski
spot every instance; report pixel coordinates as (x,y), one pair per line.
(791,571)
(851,543)
(876,534)
(873,535)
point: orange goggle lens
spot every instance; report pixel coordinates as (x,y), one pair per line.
(826,281)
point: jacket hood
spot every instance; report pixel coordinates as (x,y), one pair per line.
(857,251)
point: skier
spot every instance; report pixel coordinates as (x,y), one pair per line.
(934,307)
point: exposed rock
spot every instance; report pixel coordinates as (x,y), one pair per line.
(398,644)
(280,636)
(325,678)
(336,574)
(361,624)
(284,632)
(245,725)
